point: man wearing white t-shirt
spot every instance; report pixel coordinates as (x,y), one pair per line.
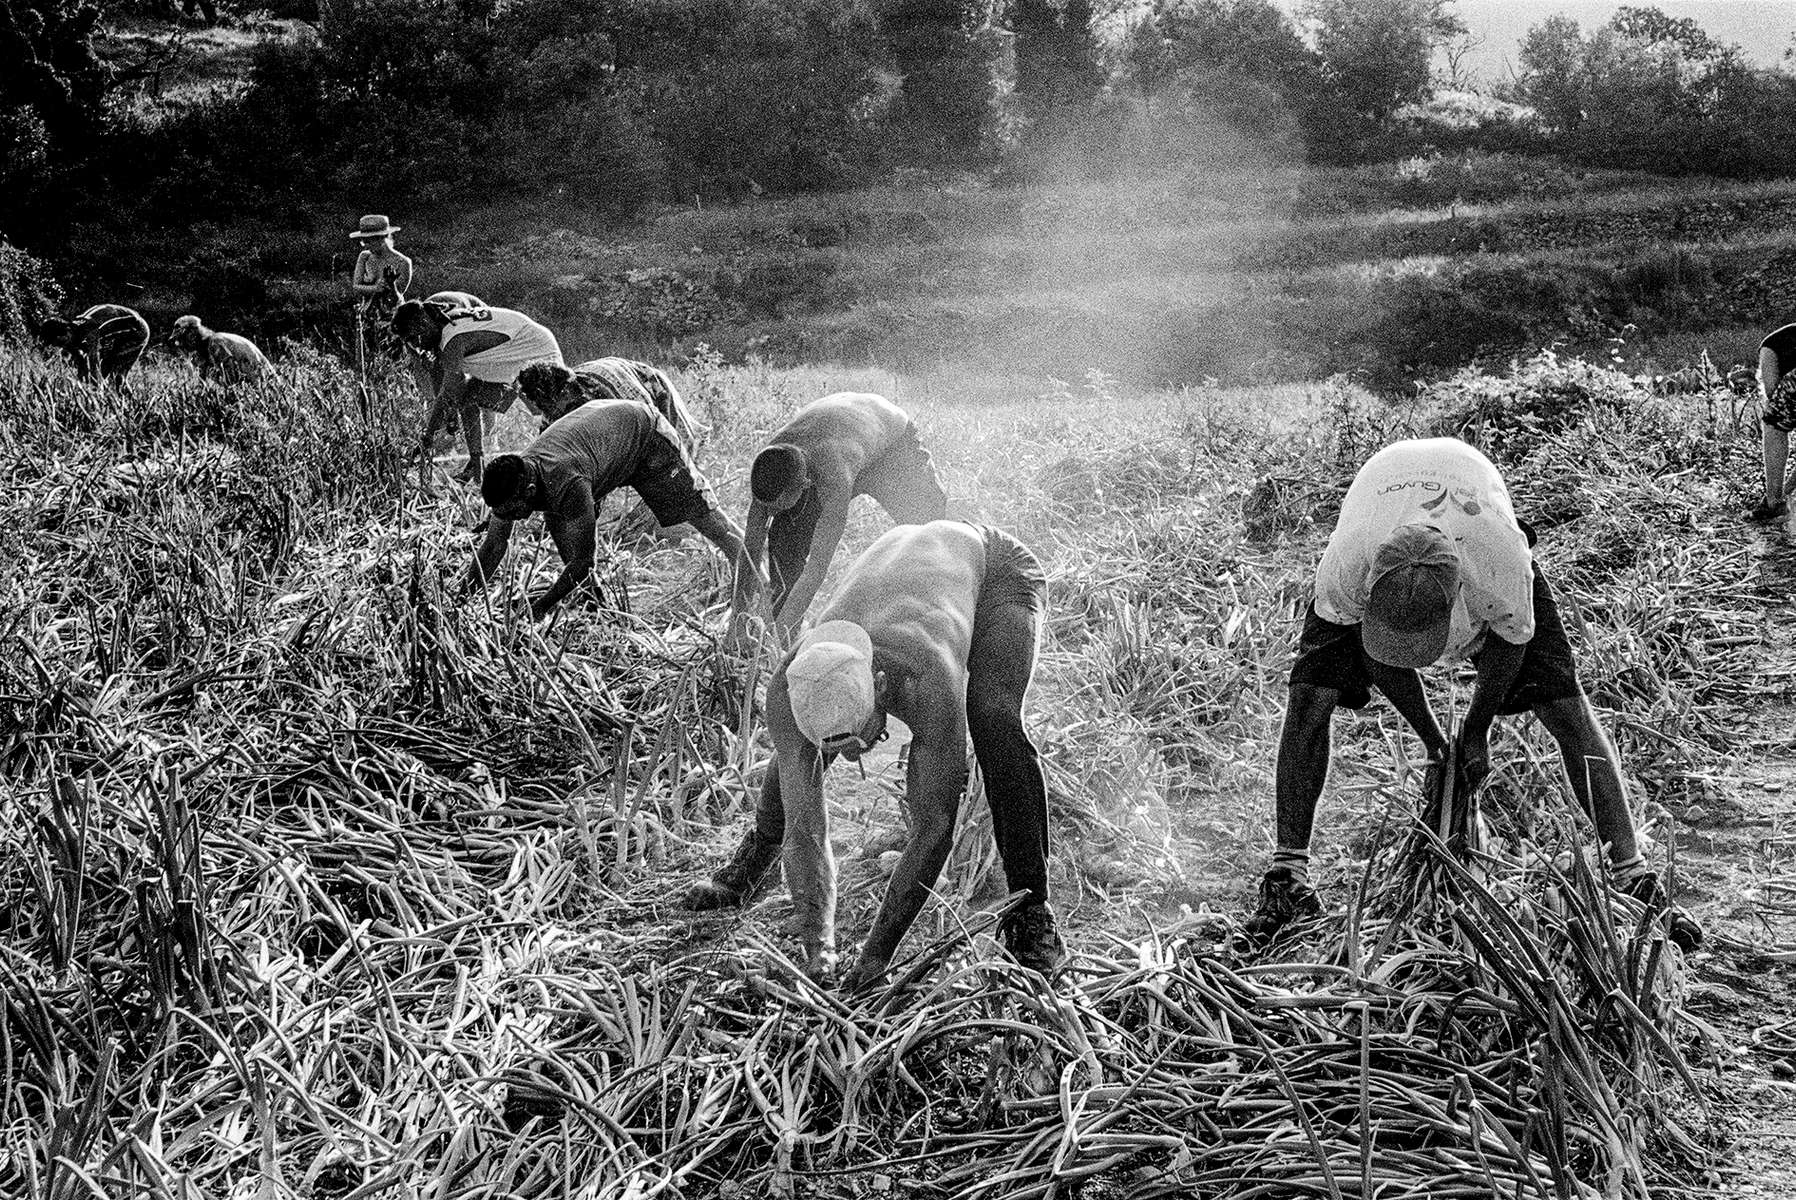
(1427,564)
(478,352)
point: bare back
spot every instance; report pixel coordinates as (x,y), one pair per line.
(844,431)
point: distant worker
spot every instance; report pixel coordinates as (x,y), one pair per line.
(554,391)
(221,357)
(104,342)
(1429,564)
(568,470)
(936,625)
(1777,417)
(382,275)
(476,354)
(845,445)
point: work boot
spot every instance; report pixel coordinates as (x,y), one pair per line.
(1031,938)
(1765,510)
(749,870)
(1686,933)
(1284,898)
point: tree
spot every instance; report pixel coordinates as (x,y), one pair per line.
(945,51)
(1379,52)
(1057,70)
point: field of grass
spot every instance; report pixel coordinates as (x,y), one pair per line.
(327,882)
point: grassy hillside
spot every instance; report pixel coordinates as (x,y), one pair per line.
(329,883)
(1386,274)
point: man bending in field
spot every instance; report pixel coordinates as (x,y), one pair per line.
(1777,416)
(1429,564)
(566,473)
(845,445)
(936,625)
(104,342)
(554,391)
(478,352)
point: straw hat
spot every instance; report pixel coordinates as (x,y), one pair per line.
(374,225)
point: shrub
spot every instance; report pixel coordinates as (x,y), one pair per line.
(28,293)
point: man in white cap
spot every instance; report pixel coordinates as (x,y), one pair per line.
(1427,564)
(478,353)
(845,445)
(223,357)
(937,625)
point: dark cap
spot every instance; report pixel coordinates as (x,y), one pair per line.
(1409,597)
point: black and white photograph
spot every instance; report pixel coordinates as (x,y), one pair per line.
(878,599)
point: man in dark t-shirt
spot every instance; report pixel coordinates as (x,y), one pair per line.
(566,473)
(1777,417)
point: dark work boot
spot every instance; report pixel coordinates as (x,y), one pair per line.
(1283,899)
(1686,934)
(1031,938)
(749,870)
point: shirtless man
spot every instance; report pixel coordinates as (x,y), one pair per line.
(104,342)
(224,357)
(566,473)
(937,625)
(478,352)
(555,391)
(1429,564)
(845,445)
(382,275)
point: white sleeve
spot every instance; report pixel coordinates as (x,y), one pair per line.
(1341,583)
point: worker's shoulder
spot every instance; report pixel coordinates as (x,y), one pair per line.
(932,547)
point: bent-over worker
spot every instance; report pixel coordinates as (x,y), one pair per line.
(1429,564)
(845,445)
(937,625)
(566,473)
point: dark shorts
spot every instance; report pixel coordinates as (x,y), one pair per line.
(904,482)
(485,394)
(1779,411)
(1330,656)
(668,481)
(1013,575)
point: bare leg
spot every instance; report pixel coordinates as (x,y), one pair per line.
(1304,746)
(1594,770)
(1777,453)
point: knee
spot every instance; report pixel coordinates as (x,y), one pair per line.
(1573,724)
(994,711)
(1309,709)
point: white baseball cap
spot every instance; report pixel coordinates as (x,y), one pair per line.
(829,681)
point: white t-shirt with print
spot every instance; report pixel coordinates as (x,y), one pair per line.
(527,342)
(1448,484)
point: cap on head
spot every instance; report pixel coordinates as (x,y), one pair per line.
(57,331)
(1410,593)
(374,225)
(503,479)
(829,682)
(776,470)
(187,329)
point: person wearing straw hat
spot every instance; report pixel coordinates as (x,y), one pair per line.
(382,275)
(221,357)
(1777,417)
(845,445)
(568,470)
(478,352)
(1428,564)
(937,625)
(554,391)
(104,342)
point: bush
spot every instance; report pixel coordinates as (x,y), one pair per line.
(28,293)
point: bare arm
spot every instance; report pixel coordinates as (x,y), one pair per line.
(490,555)
(1402,686)
(1769,372)
(574,526)
(450,385)
(833,496)
(936,778)
(754,538)
(360,277)
(809,860)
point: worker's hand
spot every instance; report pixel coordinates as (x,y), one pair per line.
(1474,760)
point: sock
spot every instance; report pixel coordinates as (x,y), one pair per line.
(1297,862)
(1629,868)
